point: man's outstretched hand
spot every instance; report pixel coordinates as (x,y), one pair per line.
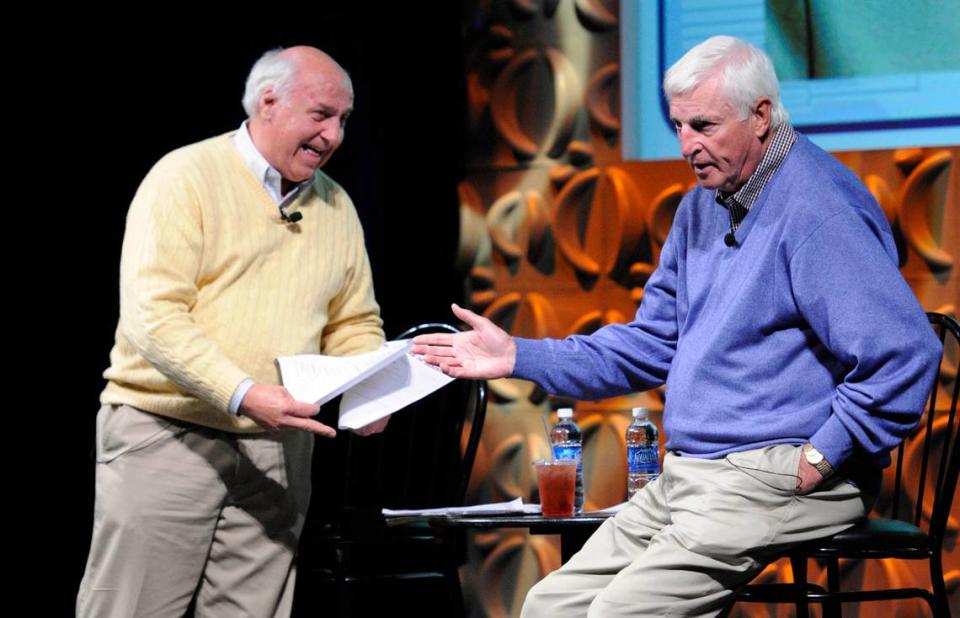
(484,353)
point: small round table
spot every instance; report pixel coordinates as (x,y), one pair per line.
(573,530)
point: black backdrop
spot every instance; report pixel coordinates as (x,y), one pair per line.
(109,95)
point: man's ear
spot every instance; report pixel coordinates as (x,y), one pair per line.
(761,116)
(267,103)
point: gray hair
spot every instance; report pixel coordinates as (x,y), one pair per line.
(746,74)
(271,70)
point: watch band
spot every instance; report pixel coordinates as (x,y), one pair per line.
(816,459)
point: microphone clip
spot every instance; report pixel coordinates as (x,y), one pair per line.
(292,217)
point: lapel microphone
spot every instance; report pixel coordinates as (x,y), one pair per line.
(292,217)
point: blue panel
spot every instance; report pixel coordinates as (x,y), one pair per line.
(870,112)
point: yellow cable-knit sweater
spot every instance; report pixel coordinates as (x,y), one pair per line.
(214,285)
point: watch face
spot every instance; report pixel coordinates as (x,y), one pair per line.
(814,456)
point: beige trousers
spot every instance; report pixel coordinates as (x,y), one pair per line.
(183,510)
(688,539)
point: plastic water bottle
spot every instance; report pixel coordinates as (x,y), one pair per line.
(643,452)
(567,443)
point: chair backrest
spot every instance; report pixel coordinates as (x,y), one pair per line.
(931,453)
(425,456)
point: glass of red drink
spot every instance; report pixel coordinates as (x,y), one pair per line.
(557,479)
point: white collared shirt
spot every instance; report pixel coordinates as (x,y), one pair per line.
(265,174)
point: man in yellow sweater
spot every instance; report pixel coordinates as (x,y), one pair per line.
(238,249)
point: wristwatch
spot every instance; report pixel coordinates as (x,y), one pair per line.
(816,459)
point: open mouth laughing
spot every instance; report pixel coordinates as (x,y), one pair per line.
(313,153)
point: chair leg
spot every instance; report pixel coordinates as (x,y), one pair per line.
(831,609)
(941,606)
(799,564)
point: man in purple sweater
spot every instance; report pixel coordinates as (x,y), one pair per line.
(794,353)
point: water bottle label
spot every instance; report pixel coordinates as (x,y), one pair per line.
(568,452)
(643,459)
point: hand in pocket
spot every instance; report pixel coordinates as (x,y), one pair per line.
(808,477)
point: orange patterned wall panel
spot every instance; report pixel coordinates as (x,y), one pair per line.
(559,235)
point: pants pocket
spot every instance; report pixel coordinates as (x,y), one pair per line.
(124,429)
(774,466)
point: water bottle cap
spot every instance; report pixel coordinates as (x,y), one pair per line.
(640,412)
(565,413)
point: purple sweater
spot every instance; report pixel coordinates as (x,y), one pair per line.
(804,331)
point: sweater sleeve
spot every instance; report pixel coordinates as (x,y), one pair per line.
(618,358)
(159,266)
(354,325)
(846,283)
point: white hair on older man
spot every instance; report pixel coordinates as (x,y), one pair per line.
(272,69)
(746,74)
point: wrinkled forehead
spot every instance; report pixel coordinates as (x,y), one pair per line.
(326,82)
(704,101)
(709,96)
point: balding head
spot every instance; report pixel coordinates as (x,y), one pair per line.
(277,68)
(298,101)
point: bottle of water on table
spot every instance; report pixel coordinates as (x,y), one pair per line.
(567,442)
(643,452)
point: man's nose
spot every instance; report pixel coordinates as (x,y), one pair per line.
(332,131)
(688,142)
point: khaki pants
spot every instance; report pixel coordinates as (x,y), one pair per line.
(183,510)
(689,538)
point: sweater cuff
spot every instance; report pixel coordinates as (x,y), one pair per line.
(222,385)
(529,354)
(833,441)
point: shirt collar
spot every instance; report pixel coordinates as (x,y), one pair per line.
(780,144)
(265,174)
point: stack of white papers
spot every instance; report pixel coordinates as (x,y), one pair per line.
(496,508)
(374,385)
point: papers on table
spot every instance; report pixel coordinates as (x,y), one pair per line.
(513,507)
(374,385)
(497,508)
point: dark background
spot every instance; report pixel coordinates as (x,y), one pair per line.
(110,95)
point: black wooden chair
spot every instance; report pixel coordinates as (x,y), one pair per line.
(351,563)
(917,534)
